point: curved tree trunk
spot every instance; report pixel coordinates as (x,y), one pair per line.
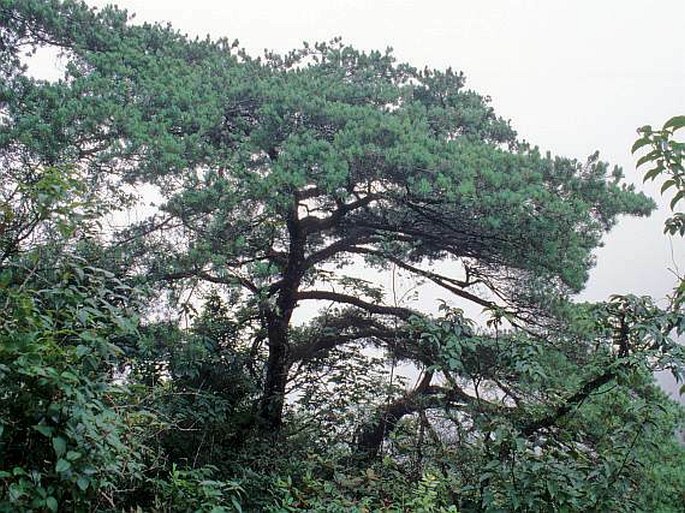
(371,435)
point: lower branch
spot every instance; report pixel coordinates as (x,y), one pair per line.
(572,401)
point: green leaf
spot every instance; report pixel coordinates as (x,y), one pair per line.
(82,316)
(675,122)
(60,445)
(639,144)
(236,505)
(666,185)
(649,157)
(69,376)
(83,482)
(652,173)
(680,195)
(62,466)
(79,272)
(51,503)
(73,455)
(82,350)
(44,430)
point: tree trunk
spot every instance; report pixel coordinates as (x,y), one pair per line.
(273,397)
(371,435)
(278,324)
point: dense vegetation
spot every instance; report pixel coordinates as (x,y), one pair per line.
(162,364)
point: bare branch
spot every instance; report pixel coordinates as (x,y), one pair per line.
(205,276)
(311,224)
(323,295)
(451,284)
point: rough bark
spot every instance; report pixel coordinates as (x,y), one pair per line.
(278,323)
(277,366)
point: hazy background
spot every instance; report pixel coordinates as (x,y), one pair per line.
(573,77)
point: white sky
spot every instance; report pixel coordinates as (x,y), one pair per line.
(573,77)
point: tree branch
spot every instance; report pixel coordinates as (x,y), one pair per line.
(205,276)
(333,334)
(312,224)
(445,282)
(402,313)
(573,400)
(339,246)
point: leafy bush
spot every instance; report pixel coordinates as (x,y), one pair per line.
(65,440)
